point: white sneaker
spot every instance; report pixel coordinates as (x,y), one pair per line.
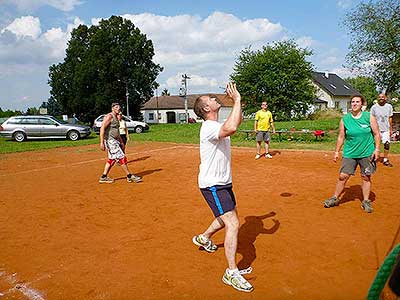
(258,156)
(237,281)
(268,155)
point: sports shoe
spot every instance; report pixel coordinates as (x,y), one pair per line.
(106,180)
(207,245)
(267,155)
(331,202)
(134,178)
(237,281)
(258,155)
(366,205)
(387,163)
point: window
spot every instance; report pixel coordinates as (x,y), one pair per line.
(332,85)
(346,87)
(14,121)
(30,121)
(46,122)
(336,104)
(151,116)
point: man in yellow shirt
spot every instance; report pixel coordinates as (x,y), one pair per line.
(262,126)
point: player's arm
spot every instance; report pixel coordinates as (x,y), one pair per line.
(255,125)
(340,141)
(235,117)
(377,136)
(127,133)
(272,125)
(106,122)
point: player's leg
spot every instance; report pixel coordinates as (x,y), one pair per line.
(385,138)
(347,168)
(231,222)
(258,145)
(267,138)
(367,168)
(107,167)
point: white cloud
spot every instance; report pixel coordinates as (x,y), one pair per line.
(194,81)
(344,4)
(31,5)
(343,72)
(25,27)
(306,42)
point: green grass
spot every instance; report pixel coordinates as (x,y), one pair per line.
(189,134)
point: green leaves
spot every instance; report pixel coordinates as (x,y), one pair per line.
(374,28)
(102,64)
(278,74)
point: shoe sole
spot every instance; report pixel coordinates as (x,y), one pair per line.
(367,211)
(134,181)
(106,181)
(201,246)
(235,287)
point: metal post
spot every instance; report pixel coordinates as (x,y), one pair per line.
(127,100)
(184,81)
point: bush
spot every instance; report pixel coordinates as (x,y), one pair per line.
(326,114)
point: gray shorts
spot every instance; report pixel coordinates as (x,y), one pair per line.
(349,165)
(114,149)
(262,136)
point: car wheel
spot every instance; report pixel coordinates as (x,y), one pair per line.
(73,135)
(19,136)
(139,129)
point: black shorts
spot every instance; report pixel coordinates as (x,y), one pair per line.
(220,198)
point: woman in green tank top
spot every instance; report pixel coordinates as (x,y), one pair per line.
(359,133)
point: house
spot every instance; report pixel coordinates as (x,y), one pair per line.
(332,91)
(171,109)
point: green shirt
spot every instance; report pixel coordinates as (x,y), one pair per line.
(359,140)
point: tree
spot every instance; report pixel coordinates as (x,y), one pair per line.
(102,64)
(366,86)
(278,74)
(165,92)
(53,107)
(32,111)
(374,29)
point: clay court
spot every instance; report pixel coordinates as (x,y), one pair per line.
(65,236)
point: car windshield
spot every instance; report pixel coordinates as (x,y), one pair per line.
(58,120)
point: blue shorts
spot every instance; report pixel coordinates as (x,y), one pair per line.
(220,198)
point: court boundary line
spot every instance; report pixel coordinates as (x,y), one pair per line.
(89,161)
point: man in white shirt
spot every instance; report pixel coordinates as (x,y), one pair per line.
(215,180)
(383,112)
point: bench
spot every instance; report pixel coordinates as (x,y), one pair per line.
(317,133)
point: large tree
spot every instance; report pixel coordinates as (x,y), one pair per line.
(279,74)
(366,86)
(103,64)
(374,29)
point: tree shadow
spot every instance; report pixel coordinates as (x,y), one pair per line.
(354,192)
(139,159)
(248,232)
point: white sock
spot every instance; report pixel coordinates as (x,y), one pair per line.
(230,272)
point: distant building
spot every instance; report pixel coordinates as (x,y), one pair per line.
(171,109)
(332,91)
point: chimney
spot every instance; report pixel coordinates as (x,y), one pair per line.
(326,74)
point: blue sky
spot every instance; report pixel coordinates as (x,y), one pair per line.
(199,38)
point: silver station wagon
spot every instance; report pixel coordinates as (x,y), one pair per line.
(21,128)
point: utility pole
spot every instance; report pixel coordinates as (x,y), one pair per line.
(127,99)
(183,92)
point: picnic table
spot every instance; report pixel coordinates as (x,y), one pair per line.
(317,133)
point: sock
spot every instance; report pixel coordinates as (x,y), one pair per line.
(230,272)
(129,175)
(385,159)
(103,176)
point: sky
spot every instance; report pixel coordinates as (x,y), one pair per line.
(202,39)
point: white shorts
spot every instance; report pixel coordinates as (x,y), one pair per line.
(385,137)
(114,149)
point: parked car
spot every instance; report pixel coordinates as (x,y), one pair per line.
(21,128)
(133,126)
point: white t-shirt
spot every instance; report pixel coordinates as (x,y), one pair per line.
(382,113)
(215,156)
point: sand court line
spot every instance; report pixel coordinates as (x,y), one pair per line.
(23,288)
(86,161)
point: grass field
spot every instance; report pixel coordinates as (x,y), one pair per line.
(189,134)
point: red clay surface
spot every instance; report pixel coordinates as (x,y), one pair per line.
(65,236)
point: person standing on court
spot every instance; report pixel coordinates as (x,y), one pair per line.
(111,140)
(383,112)
(262,126)
(215,180)
(123,130)
(359,132)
